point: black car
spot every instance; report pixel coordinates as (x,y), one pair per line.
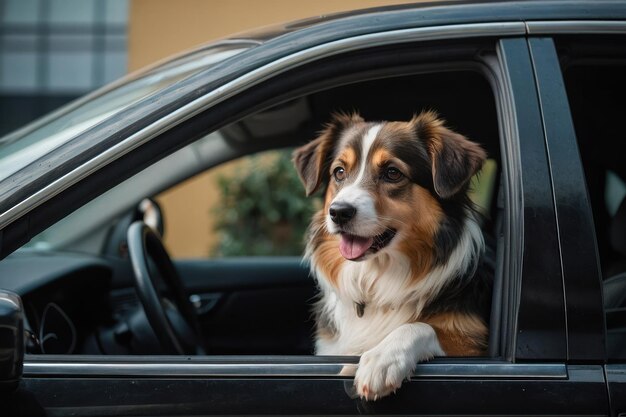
(540,85)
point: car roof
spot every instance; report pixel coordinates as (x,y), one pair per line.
(449,12)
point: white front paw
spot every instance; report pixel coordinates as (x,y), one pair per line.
(381,372)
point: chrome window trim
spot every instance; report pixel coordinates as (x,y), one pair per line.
(184,368)
(249,79)
(600,27)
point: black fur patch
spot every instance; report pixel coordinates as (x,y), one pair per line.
(451,227)
(413,153)
(466,294)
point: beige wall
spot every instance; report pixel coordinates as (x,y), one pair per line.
(159,28)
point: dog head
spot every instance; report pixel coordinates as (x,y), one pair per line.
(387,182)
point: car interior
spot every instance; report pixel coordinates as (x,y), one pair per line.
(78,284)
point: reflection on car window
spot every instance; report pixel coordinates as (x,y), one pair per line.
(24,146)
(615,192)
(595,94)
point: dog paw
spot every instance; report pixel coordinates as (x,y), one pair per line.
(381,373)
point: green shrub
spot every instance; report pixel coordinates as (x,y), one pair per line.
(265,210)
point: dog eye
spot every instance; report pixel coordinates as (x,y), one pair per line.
(392,174)
(339,173)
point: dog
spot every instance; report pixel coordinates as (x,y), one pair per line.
(396,246)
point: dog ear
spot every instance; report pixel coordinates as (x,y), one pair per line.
(454,158)
(313,160)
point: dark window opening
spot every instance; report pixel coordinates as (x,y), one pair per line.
(594,78)
(464,99)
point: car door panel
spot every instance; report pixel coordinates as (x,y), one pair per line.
(252,305)
(314,387)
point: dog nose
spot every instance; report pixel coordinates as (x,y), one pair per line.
(341,213)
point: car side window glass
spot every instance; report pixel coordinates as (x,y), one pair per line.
(596,87)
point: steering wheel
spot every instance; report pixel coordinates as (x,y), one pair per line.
(174,321)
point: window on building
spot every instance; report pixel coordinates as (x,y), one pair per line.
(53,51)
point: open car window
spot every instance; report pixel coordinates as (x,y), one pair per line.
(258,209)
(256,205)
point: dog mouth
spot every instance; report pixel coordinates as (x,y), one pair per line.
(354,247)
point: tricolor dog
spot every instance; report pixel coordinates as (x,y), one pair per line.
(395,247)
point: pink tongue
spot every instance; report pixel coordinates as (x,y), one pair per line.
(352,247)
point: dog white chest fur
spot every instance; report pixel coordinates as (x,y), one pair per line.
(386,333)
(383,308)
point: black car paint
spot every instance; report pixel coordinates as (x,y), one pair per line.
(465,395)
(581,271)
(560,282)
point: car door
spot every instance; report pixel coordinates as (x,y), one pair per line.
(527,371)
(585,71)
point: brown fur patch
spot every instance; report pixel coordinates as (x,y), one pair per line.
(380,157)
(460,334)
(397,131)
(327,255)
(428,129)
(418,240)
(347,158)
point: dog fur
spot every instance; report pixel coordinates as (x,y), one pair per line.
(413,294)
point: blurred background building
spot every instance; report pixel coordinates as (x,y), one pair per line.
(53,51)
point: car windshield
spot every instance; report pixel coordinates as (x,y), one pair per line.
(26,145)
